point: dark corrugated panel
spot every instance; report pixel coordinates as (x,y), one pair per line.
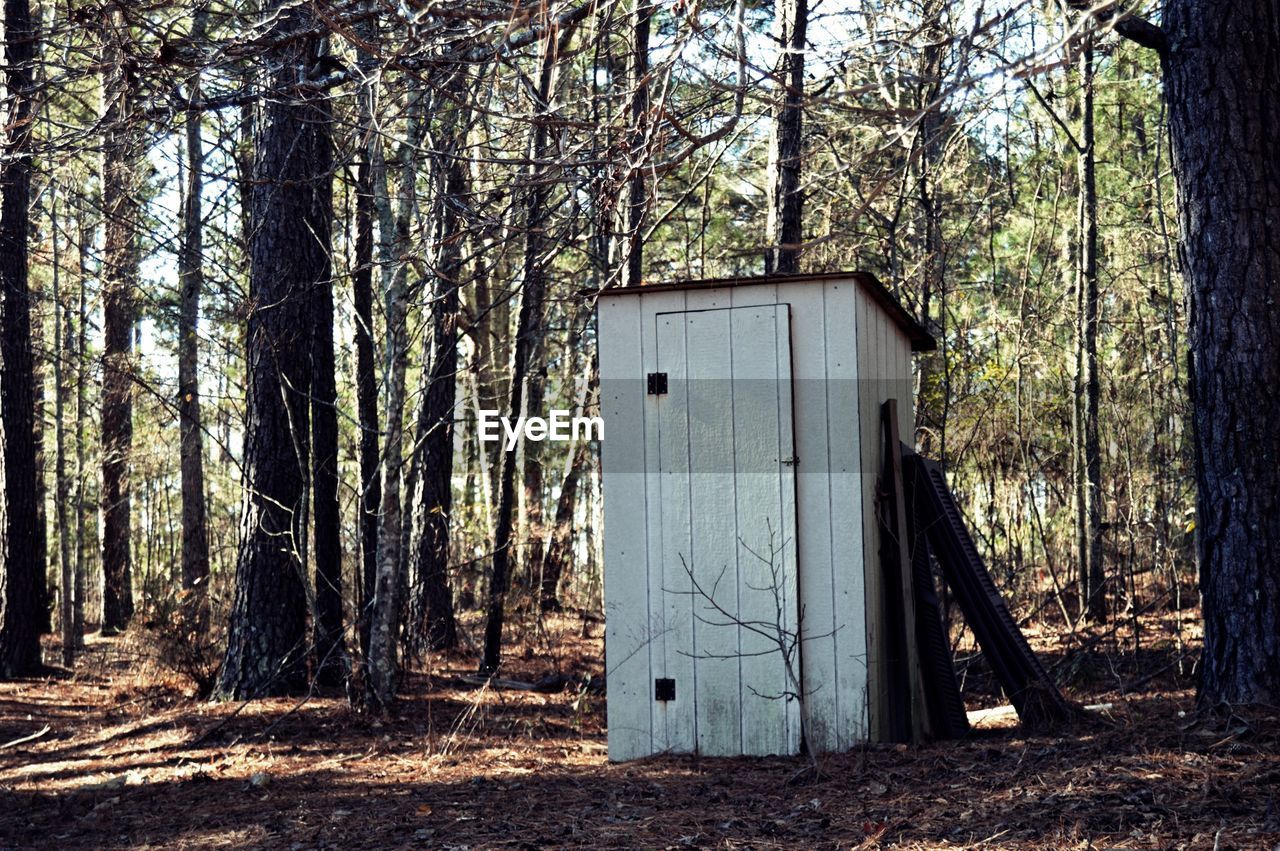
(1025,682)
(946,708)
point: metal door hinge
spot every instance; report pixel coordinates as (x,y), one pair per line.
(657,383)
(792,461)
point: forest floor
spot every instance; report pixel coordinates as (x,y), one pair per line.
(130,760)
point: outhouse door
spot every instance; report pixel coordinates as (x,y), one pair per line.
(727,660)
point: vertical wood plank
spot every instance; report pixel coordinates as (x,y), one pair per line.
(897,525)
(818,620)
(676,529)
(849,590)
(766,546)
(870,377)
(650,306)
(790,550)
(626,589)
(714,564)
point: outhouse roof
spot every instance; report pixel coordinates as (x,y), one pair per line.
(921,340)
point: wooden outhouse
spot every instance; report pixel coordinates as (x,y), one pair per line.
(742,443)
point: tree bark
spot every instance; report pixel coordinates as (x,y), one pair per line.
(22,576)
(195,538)
(560,547)
(433,607)
(330,652)
(120,201)
(289,259)
(366,398)
(382,666)
(786,198)
(63,354)
(371,198)
(1089,477)
(637,186)
(1222,79)
(85,239)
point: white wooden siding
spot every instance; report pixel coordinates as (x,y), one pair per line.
(764,491)
(724,428)
(847,356)
(628,632)
(884,365)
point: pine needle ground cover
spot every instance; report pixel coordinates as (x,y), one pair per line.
(131,761)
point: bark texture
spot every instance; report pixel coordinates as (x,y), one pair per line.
(1088,386)
(637,186)
(330,650)
(63,354)
(120,202)
(22,571)
(385,614)
(786,199)
(195,538)
(331,663)
(366,398)
(289,253)
(433,608)
(1222,79)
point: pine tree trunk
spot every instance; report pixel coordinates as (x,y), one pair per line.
(289,256)
(433,608)
(120,203)
(366,398)
(62,356)
(371,198)
(1092,597)
(195,539)
(637,189)
(1222,80)
(330,651)
(384,626)
(785,195)
(85,240)
(22,571)
(560,547)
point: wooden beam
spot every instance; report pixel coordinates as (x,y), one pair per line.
(898,528)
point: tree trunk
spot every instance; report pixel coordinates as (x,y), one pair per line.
(62,356)
(785,195)
(381,681)
(85,239)
(120,202)
(637,189)
(289,257)
(195,538)
(1222,79)
(1092,599)
(22,576)
(366,398)
(934,134)
(371,181)
(330,651)
(560,547)
(433,608)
